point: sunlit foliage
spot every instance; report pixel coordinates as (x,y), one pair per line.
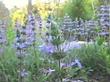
(18,14)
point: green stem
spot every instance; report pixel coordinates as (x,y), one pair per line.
(36,55)
(21,79)
(93,8)
(59,63)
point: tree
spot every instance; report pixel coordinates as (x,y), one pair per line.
(29,6)
(4,12)
(79,9)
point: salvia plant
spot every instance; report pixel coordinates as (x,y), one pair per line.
(55,48)
(88,30)
(31,31)
(21,47)
(104,19)
(79,28)
(68,27)
(25,38)
(39,23)
(91,30)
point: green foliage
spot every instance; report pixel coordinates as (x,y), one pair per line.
(94,57)
(79,9)
(10,35)
(100,40)
(57,38)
